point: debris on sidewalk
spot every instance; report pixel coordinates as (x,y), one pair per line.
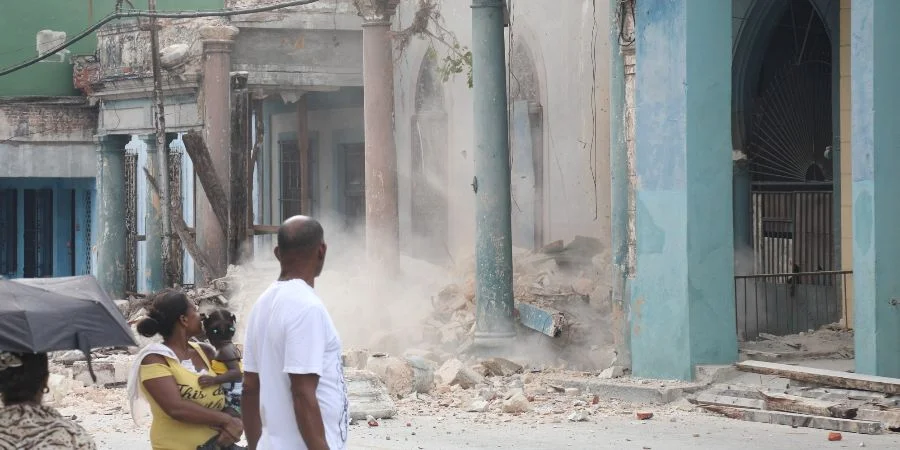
(832,341)
(824,399)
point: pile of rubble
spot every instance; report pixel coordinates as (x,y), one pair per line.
(815,398)
(833,341)
(561,293)
(496,387)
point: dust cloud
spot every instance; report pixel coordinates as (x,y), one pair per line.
(368,310)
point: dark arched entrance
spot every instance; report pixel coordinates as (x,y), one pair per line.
(784,125)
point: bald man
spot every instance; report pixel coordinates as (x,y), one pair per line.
(294,391)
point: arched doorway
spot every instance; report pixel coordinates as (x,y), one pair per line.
(429,161)
(783,85)
(526,148)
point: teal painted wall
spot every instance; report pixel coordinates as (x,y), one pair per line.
(876,161)
(20,22)
(682,310)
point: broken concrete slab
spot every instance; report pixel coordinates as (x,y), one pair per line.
(454,372)
(612,372)
(824,377)
(501,367)
(625,390)
(798,420)
(423,373)
(544,320)
(396,373)
(355,359)
(478,405)
(516,404)
(368,396)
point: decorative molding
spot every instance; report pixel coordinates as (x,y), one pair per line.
(376,11)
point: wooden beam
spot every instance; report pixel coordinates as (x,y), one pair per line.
(824,377)
(240,206)
(797,420)
(187,239)
(802,405)
(257,107)
(206,172)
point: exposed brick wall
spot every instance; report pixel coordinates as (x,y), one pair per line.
(44,121)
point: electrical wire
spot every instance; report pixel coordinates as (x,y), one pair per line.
(159,15)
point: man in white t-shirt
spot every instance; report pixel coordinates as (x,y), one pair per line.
(294,392)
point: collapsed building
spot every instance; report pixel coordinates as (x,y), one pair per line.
(360,112)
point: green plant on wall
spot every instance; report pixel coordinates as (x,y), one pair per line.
(429,24)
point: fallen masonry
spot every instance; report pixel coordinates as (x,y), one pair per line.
(824,399)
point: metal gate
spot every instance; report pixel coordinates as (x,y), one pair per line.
(794,286)
(793,231)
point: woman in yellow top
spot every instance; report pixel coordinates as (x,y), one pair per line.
(185,415)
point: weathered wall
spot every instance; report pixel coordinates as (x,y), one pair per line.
(48,138)
(299,58)
(20,21)
(568,45)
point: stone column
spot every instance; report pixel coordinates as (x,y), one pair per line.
(682,297)
(154,269)
(382,218)
(875,164)
(216,106)
(109,232)
(494,325)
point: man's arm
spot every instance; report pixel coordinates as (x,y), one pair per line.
(307,412)
(250,409)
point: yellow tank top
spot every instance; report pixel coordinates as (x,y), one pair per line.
(167,433)
(219,368)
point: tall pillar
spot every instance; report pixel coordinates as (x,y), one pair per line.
(876,162)
(109,232)
(493,245)
(216,105)
(154,269)
(382,218)
(682,303)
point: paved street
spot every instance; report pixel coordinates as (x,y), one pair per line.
(688,431)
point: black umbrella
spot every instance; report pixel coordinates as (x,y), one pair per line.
(41,315)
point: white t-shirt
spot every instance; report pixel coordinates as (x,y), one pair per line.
(290,332)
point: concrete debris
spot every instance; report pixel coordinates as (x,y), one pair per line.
(579,416)
(428,355)
(573,392)
(612,372)
(501,367)
(59,387)
(396,373)
(112,371)
(516,404)
(478,405)
(368,396)
(423,373)
(832,341)
(355,359)
(454,372)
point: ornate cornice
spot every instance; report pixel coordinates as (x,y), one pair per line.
(376,11)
